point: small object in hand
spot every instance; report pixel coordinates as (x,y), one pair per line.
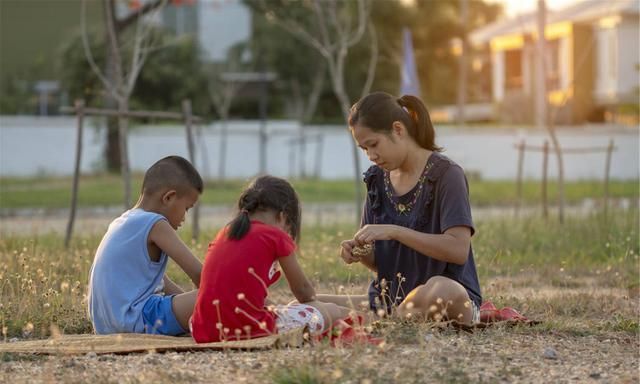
(362,250)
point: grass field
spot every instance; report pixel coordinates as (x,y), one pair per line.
(580,279)
(106,190)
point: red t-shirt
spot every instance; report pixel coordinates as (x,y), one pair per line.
(234,282)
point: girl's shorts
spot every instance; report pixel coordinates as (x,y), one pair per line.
(293,316)
(159,318)
(475,319)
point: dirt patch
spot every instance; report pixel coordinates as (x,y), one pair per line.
(495,355)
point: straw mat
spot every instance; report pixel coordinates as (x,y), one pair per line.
(125,343)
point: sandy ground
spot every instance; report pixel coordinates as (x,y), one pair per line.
(458,358)
(96,220)
(574,344)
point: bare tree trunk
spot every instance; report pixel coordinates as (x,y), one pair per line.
(542,118)
(308,111)
(123,128)
(345,105)
(558,151)
(79,105)
(223,148)
(541,75)
(112,148)
(462,63)
(188,122)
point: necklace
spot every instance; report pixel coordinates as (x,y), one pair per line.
(403,208)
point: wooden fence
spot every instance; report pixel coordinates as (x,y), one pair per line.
(81,111)
(522,147)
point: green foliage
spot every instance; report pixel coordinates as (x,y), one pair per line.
(434,24)
(106,190)
(171,73)
(77,78)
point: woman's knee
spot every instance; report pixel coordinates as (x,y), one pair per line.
(434,299)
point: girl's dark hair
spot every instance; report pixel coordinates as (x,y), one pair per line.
(378,110)
(267,193)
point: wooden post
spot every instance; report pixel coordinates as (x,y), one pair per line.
(319,143)
(607,171)
(79,105)
(521,149)
(186,110)
(125,167)
(292,157)
(545,166)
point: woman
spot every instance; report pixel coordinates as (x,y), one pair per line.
(416,222)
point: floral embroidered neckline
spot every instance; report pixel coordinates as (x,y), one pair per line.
(405,208)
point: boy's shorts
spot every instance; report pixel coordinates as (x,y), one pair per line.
(293,316)
(159,318)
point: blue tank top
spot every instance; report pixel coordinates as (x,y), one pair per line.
(123,276)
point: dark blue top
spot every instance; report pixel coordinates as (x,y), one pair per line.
(443,203)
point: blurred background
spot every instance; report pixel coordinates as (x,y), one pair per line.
(263,86)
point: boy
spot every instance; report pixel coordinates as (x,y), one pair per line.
(128,289)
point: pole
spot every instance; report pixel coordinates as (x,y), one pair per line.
(186,110)
(462,62)
(521,148)
(541,75)
(607,171)
(79,105)
(545,166)
(263,125)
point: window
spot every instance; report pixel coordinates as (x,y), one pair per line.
(513,68)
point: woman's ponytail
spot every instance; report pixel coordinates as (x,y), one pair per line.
(378,111)
(423,131)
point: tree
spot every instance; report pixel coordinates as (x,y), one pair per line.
(122,69)
(339,26)
(301,70)
(221,92)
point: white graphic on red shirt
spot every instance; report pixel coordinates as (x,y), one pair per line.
(273,269)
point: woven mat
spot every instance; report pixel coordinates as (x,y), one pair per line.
(125,343)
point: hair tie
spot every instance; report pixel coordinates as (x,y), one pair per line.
(244,211)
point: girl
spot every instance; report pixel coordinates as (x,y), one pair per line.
(242,262)
(416,218)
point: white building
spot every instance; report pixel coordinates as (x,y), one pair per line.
(593,59)
(217,24)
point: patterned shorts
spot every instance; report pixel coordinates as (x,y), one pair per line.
(293,316)
(476,313)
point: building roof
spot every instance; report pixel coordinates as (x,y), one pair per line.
(583,11)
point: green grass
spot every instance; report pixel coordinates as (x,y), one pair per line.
(107,190)
(42,283)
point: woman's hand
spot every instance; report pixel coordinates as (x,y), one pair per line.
(372,232)
(346,252)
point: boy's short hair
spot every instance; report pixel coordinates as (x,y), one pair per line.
(172,172)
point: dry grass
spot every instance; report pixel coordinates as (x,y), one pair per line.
(580,280)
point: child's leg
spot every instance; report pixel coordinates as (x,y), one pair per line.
(315,314)
(330,312)
(356,302)
(182,305)
(440,298)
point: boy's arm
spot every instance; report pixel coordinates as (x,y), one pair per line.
(171,288)
(166,238)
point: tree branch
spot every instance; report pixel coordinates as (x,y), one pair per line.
(134,16)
